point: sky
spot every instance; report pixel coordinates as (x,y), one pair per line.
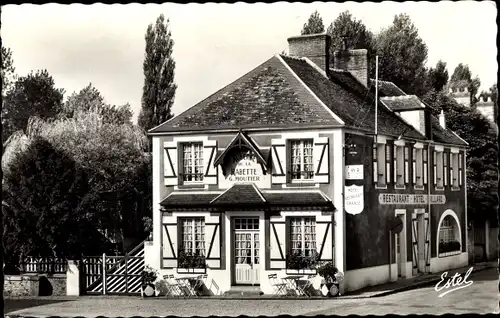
(217,43)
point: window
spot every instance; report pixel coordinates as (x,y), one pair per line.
(388,163)
(454,170)
(446,233)
(418,161)
(438,169)
(379,165)
(193,235)
(424,161)
(460,168)
(395,163)
(192,162)
(303,235)
(406,164)
(445,168)
(302,159)
(399,165)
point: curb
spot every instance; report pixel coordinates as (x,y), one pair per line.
(422,283)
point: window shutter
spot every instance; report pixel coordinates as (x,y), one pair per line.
(209,153)
(375,166)
(407,164)
(288,247)
(278,155)
(414,165)
(395,163)
(460,168)
(321,160)
(445,168)
(170,163)
(425,169)
(388,163)
(435,167)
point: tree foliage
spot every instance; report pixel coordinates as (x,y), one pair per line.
(31,95)
(402,56)
(159,68)
(313,25)
(89,99)
(46,214)
(482,154)
(357,36)
(438,76)
(8,69)
(462,72)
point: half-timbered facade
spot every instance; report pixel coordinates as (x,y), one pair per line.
(285,159)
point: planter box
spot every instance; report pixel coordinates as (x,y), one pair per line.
(449,254)
(191,270)
(306,271)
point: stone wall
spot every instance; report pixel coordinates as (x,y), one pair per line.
(35,285)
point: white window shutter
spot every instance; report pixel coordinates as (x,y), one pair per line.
(321,160)
(170,164)
(278,155)
(209,154)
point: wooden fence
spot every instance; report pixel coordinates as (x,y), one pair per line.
(45,265)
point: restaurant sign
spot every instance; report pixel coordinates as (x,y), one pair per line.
(353,199)
(354,172)
(244,168)
(410,199)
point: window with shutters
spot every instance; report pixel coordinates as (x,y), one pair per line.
(445,168)
(460,168)
(454,171)
(379,165)
(388,160)
(425,169)
(302,159)
(417,171)
(192,162)
(303,235)
(193,235)
(399,167)
(407,164)
(438,170)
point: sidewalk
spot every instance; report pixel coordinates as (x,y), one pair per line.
(412,283)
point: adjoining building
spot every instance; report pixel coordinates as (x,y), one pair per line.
(287,159)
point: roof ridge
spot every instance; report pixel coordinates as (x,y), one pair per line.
(292,57)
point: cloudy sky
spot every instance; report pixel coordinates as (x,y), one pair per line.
(217,43)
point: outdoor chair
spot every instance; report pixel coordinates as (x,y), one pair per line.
(278,286)
(172,285)
(305,288)
(200,281)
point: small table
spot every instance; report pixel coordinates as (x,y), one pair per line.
(293,282)
(186,282)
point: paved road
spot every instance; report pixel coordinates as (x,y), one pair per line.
(480,297)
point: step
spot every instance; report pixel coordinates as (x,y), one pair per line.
(243,291)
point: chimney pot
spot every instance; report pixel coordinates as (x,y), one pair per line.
(442,121)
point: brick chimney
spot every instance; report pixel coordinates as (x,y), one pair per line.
(354,61)
(315,47)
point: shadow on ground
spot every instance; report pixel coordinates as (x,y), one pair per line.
(11,305)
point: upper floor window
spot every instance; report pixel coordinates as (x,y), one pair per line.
(193,235)
(303,235)
(407,164)
(460,168)
(438,169)
(400,165)
(379,167)
(445,168)
(302,159)
(388,163)
(418,161)
(425,159)
(192,162)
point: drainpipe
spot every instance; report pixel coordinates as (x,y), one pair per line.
(428,196)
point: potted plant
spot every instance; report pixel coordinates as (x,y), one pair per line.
(191,261)
(148,278)
(331,279)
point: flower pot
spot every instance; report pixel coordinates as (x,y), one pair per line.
(329,289)
(148,290)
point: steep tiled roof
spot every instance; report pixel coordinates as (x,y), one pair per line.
(267,96)
(356,110)
(396,103)
(386,88)
(445,136)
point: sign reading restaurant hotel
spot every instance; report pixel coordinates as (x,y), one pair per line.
(353,199)
(395,198)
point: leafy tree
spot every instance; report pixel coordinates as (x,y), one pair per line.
(159,67)
(314,24)
(356,35)
(46,216)
(8,69)
(462,72)
(402,56)
(438,76)
(482,154)
(90,99)
(31,95)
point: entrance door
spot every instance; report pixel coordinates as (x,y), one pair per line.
(421,243)
(246,250)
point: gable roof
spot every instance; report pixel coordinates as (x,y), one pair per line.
(350,100)
(269,95)
(403,102)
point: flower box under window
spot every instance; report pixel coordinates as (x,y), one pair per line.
(191,263)
(298,263)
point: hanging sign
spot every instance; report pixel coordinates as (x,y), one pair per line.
(354,199)
(354,172)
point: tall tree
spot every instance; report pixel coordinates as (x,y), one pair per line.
(8,69)
(356,35)
(313,25)
(90,99)
(438,76)
(159,67)
(462,72)
(31,95)
(402,56)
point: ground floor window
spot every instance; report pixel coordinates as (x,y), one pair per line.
(303,235)
(193,235)
(448,235)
